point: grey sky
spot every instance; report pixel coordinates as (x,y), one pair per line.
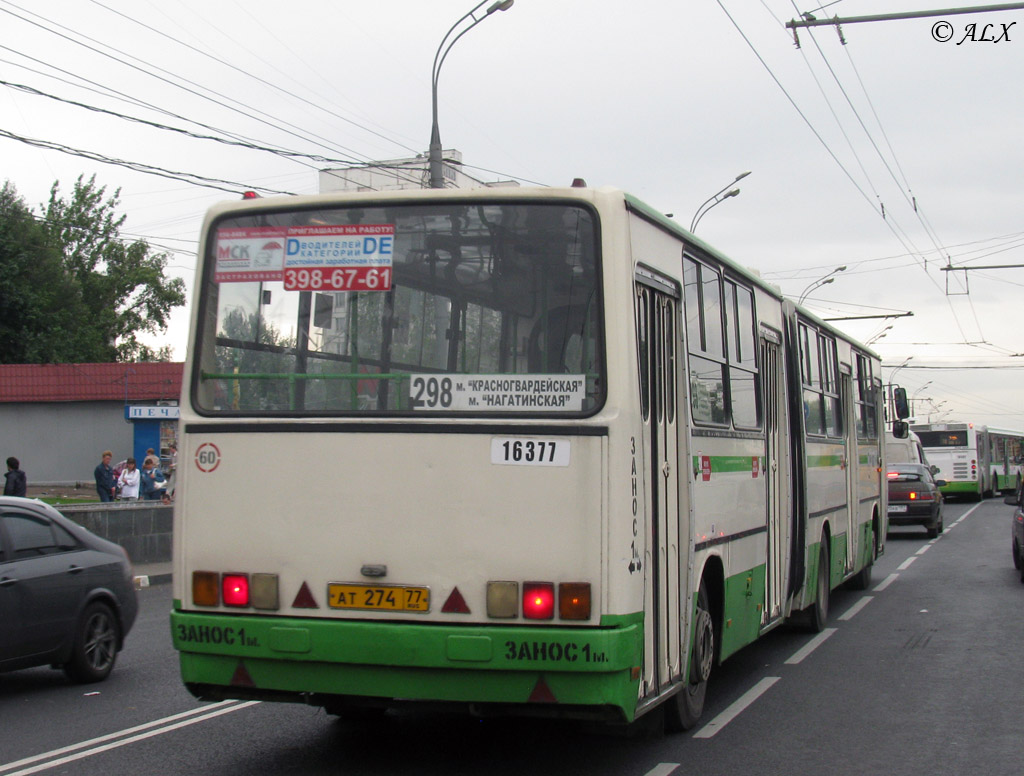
(668,101)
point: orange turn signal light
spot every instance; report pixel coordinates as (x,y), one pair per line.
(205,588)
(574,601)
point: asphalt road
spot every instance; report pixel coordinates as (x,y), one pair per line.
(920,674)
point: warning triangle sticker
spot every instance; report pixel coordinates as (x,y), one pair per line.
(241,677)
(542,693)
(455,604)
(304,599)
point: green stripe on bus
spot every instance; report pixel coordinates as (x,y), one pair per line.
(721,464)
(824,461)
(744,606)
(959,487)
(415,661)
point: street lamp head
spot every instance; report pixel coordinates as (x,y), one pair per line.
(741,176)
(732,193)
(500,5)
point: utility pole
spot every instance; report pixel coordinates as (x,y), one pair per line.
(811,21)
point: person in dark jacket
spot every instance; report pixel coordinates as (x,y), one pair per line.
(104,475)
(152,479)
(17,483)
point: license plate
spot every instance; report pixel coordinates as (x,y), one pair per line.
(897,508)
(379,598)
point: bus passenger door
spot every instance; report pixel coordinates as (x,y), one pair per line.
(852,456)
(658,336)
(772,400)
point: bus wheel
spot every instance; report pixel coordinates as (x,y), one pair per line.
(862,579)
(819,609)
(683,710)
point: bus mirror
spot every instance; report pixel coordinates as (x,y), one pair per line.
(899,398)
(900,429)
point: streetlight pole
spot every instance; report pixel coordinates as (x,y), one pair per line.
(435,163)
(822,281)
(717,198)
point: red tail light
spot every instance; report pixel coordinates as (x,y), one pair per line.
(235,589)
(538,600)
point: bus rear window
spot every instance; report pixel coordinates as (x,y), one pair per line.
(943,438)
(453,308)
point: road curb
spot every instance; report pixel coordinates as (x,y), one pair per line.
(149,580)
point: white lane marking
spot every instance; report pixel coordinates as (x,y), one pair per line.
(810,646)
(852,611)
(925,549)
(969,511)
(736,708)
(108,737)
(215,711)
(905,564)
(885,583)
(662,769)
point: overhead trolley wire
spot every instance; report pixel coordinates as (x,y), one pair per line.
(282,127)
(199,180)
(253,76)
(911,249)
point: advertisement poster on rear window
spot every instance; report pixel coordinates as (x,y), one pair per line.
(355,257)
(246,255)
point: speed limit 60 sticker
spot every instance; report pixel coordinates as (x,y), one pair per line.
(207,457)
(530,451)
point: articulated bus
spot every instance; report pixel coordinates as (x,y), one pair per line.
(512,451)
(1006,458)
(975,460)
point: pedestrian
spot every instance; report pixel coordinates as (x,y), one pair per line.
(152,478)
(172,470)
(106,486)
(129,481)
(16,483)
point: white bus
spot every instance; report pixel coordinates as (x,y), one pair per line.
(526,451)
(962,453)
(1006,458)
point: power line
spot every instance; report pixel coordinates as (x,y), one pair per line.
(198,180)
(251,75)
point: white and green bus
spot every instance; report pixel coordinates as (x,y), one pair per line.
(520,451)
(975,460)
(1006,457)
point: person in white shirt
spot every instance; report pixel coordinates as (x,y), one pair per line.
(129,481)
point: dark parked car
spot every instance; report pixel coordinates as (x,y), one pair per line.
(1017,529)
(914,497)
(67,597)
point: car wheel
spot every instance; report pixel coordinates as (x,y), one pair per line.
(1016,554)
(683,710)
(95,649)
(933,531)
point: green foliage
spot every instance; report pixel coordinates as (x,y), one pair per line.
(73,291)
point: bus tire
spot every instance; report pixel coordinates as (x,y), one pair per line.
(862,579)
(818,611)
(683,710)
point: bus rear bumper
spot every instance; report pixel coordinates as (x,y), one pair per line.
(577,673)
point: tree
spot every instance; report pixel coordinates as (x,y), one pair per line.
(73,290)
